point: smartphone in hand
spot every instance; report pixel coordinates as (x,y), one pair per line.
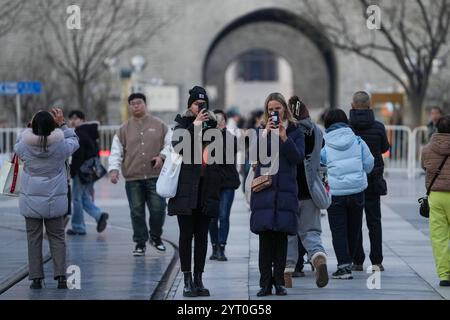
(275,116)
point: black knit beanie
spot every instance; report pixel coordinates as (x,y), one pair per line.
(197,93)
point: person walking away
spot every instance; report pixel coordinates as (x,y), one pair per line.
(435,155)
(363,123)
(309,225)
(138,150)
(44,148)
(274,209)
(87,133)
(198,192)
(348,160)
(219,227)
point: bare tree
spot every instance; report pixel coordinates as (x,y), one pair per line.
(413,32)
(9,10)
(108,29)
(439,92)
(54,93)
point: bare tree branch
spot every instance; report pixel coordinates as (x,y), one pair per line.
(412,32)
(9,10)
(109,28)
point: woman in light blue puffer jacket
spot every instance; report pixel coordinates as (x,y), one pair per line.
(44,149)
(349,160)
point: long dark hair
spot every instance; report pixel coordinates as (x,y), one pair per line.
(42,125)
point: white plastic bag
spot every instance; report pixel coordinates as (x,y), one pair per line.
(10,177)
(167,183)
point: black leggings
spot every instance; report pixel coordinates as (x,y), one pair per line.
(194,226)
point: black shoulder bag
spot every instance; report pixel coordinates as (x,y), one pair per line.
(424,206)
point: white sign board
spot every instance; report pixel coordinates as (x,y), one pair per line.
(162,98)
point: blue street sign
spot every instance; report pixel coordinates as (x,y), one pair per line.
(20,88)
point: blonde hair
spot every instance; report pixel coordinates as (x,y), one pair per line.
(279,98)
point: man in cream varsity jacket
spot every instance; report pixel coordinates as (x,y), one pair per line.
(138,150)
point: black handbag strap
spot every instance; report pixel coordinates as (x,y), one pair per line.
(436,175)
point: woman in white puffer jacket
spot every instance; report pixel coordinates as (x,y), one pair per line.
(44,149)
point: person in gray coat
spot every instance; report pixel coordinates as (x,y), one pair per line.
(44,149)
(312,194)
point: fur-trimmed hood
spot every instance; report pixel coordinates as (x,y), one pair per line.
(189,114)
(34,140)
(188,117)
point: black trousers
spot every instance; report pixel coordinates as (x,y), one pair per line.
(272,251)
(193,227)
(345,218)
(373,219)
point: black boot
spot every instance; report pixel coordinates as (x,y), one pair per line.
(198,283)
(62,282)
(215,253)
(221,256)
(280,290)
(36,284)
(265,291)
(189,289)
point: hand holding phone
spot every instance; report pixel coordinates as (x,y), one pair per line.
(275,117)
(201,117)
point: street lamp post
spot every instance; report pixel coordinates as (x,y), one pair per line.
(125,80)
(129,79)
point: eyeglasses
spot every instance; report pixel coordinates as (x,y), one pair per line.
(136,103)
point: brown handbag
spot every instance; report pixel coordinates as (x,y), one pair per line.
(261,183)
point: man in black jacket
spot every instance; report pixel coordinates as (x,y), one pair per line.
(82,193)
(363,123)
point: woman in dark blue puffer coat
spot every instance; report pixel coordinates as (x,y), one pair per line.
(274,210)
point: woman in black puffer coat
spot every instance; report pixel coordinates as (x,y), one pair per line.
(198,193)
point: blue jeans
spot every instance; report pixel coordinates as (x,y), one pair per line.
(82,200)
(143,192)
(345,217)
(219,228)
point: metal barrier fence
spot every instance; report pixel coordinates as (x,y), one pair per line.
(403,157)
(397,158)
(106,134)
(8,137)
(419,139)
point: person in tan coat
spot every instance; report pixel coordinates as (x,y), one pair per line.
(433,155)
(138,151)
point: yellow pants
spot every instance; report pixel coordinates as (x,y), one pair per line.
(440,232)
